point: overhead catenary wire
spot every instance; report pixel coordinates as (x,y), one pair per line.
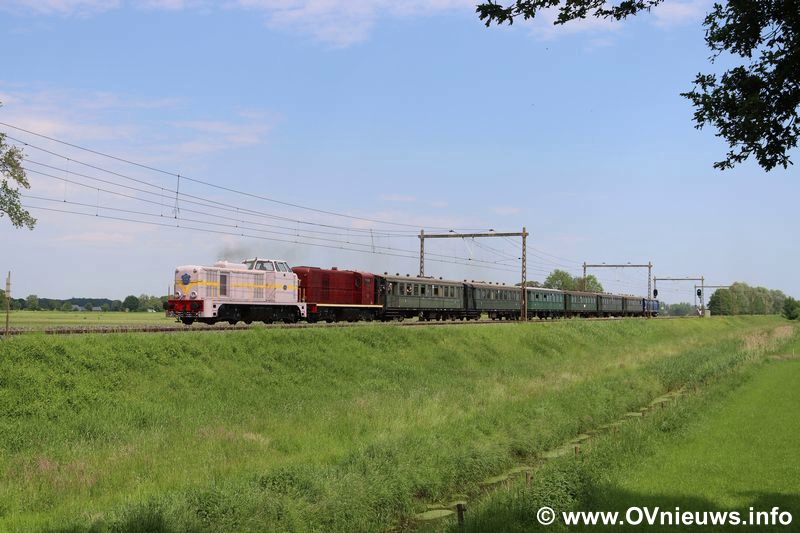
(180,222)
(161,198)
(246,217)
(178,225)
(203,182)
(179,194)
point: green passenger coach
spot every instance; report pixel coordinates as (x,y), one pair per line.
(545,303)
(426,298)
(497,301)
(580,303)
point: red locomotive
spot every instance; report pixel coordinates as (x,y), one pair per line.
(336,295)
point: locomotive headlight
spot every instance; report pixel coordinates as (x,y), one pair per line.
(193,295)
(177,295)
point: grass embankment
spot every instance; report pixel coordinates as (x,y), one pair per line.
(729,445)
(323,429)
(39,320)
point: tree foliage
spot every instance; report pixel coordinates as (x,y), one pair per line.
(753,106)
(791,308)
(12,176)
(131,303)
(680,309)
(32,302)
(563,280)
(742,299)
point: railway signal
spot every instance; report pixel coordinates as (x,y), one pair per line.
(701,279)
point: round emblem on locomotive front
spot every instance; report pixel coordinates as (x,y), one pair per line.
(186,278)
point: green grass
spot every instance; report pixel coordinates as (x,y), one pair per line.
(742,457)
(728,444)
(344,429)
(40,320)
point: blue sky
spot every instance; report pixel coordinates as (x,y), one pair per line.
(401,115)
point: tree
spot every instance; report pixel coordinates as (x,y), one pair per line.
(131,303)
(755,106)
(791,308)
(11,171)
(564,281)
(721,302)
(778,299)
(680,309)
(561,280)
(32,302)
(147,301)
(742,299)
(592,284)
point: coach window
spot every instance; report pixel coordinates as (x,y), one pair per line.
(422,290)
(416,290)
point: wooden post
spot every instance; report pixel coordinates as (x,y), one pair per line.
(8,300)
(461,508)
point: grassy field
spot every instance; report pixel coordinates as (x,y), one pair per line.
(742,455)
(727,446)
(47,319)
(346,429)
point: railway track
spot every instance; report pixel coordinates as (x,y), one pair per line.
(180,328)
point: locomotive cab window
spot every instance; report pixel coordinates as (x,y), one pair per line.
(265,265)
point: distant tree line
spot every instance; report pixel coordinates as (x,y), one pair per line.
(32,302)
(742,299)
(679,309)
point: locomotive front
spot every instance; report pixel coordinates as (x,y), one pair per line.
(254,290)
(193,286)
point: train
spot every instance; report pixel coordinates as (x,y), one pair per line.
(269,290)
